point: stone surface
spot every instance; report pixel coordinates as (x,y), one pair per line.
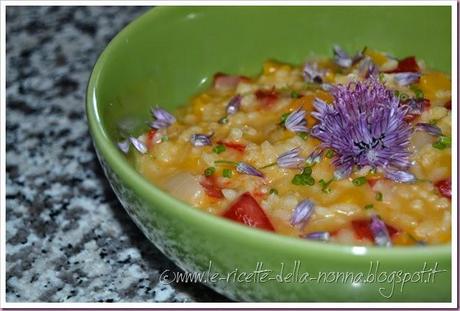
(67,236)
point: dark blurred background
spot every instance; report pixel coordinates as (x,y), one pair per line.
(67,236)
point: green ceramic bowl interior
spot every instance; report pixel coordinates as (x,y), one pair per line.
(171,53)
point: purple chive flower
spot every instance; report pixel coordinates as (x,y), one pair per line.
(380,232)
(163,119)
(124,146)
(327,87)
(312,73)
(399,176)
(315,156)
(244,168)
(406,78)
(368,69)
(318,235)
(234,105)
(341,57)
(296,121)
(302,212)
(364,126)
(415,107)
(200,140)
(138,145)
(290,159)
(429,128)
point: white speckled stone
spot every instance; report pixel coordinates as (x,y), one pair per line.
(68,238)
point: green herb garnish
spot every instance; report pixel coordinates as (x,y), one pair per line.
(418,92)
(164,138)
(295,94)
(443,142)
(284,117)
(304,178)
(227,173)
(209,171)
(369,206)
(303,135)
(325,185)
(330,153)
(218,149)
(223,120)
(379,196)
(273,191)
(359,181)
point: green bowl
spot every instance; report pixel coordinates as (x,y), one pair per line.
(170,54)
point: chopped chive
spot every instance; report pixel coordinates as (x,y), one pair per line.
(273,191)
(209,171)
(295,94)
(303,135)
(227,173)
(310,181)
(223,120)
(379,196)
(381,77)
(369,206)
(330,153)
(307,171)
(164,138)
(284,117)
(443,142)
(325,185)
(418,92)
(297,180)
(218,149)
(359,181)
(225,162)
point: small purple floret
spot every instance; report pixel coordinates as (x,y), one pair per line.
(302,212)
(318,235)
(124,146)
(380,232)
(244,168)
(290,159)
(234,105)
(341,57)
(315,156)
(296,121)
(200,140)
(406,78)
(399,176)
(312,73)
(429,128)
(162,118)
(138,145)
(364,126)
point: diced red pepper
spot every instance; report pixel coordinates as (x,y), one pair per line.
(448,105)
(408,64)
(227,82)
(410,117)
(372,181)
(267,97)
(211,187)
(247,211)
(362,229)
(426,104)
(150,134)
(444,187)
(234,145)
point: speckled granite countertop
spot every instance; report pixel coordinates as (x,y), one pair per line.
(67,236)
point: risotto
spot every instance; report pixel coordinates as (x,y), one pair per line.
(351,149)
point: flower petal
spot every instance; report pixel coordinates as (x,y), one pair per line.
(138,145)
(124,146)
(244,168)
(380,232)
(302,212)
(341,57)
(234,105)
(296,122)
(430,128)
(318,235)
(163,119)
(290,159)
(399,176)
(406,78)
(200,140)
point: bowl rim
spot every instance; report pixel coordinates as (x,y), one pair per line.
(118,163)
